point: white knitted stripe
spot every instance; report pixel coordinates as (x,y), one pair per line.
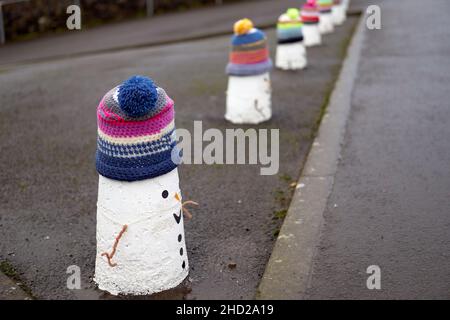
(310,14)
(138,139)
(136,148)
(134,155)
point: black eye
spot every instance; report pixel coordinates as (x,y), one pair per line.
(165,194)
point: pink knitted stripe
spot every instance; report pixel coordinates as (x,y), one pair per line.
(115,126)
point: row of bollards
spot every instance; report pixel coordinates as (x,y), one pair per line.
(249,88)
(140,213)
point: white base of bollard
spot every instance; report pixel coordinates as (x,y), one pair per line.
(151,253)
(311,35)
(249,99)
(346,4)
(338,14)
(326,23)
(291,56)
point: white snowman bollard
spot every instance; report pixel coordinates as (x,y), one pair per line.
(140,233)
(291,53)
(338,13)
(326,19)
(310,19)
(249,93)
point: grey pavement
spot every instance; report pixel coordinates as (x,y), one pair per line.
(390,204)
(288,271)
(48,182)
(145,32)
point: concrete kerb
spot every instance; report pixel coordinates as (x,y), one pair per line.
(288,271)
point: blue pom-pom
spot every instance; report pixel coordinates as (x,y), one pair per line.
(137,96)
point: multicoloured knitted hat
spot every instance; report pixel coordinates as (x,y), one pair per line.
(310,12)
(135,131)
(289,27)
(249,53)
(325,6)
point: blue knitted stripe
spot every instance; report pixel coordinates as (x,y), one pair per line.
(139,149)
(144,160)
(247,38)
(134,153)
(248,69)
(135,170)
(285,34)
(290,40)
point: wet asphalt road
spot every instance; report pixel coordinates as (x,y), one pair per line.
(48,182)
(390,205)
(167,27)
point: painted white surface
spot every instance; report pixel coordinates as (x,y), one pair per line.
(249,99)
(311,35)
(291,56)
(338,14)
(149,255)
(326,23)
(346,4)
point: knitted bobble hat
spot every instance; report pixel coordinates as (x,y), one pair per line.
(310,12)
(249,51)
(135,131)
(289,27)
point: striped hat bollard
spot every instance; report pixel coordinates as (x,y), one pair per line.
(326,20)
(310,18)
(249,89)
(338,12)
(140,233)
(291,53)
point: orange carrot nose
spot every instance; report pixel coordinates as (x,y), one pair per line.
(177,196)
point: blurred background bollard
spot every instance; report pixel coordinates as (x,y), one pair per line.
(310,19)
(249,93)
(338,12)
(291,53)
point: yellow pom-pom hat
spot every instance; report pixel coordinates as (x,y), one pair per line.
(249,53)
(243,26)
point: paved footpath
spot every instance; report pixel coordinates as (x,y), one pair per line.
(144,32)
(390,205)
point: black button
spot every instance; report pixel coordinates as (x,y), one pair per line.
(181,251)
(180,238)
(184,264)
